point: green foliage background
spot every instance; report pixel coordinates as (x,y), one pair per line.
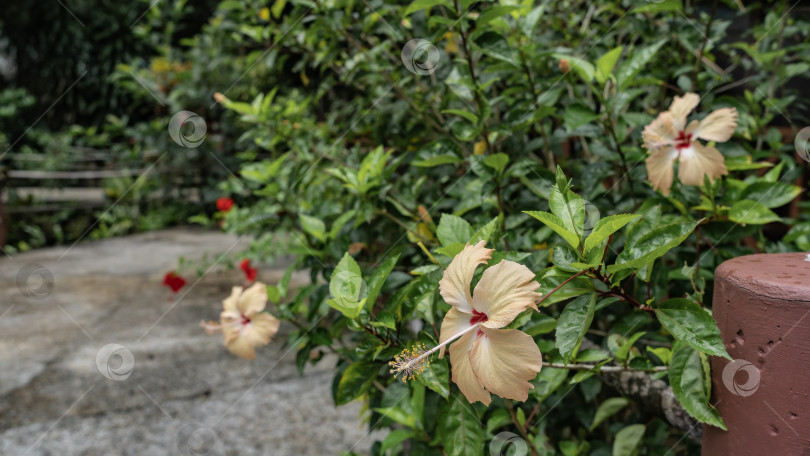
(330,145)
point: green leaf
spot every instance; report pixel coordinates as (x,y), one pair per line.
(583,68)
(347,288)
(339,222)
(631,67)
(465,114)
(394,438)
(426,4)
(437,377)
(606,63)
(437,161)
(549,380)
(497,162)
(461,431)
(605,227)
(398,414)
(661,6)
(377,279)
(747,212)
(485,232)
(496,46)
(453,229)
(623,351)
(490,14)
(607,409)
(313,226)
(628,440)
(687,378)
(578,115)
(692,324)
(574,322)
(556,224)
(356,380)
(653,245)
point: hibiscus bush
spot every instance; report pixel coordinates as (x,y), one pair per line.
(505,208)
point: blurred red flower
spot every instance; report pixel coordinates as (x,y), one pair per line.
(250,273)
(174,281)
(224,204)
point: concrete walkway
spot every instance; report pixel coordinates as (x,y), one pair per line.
(184,394)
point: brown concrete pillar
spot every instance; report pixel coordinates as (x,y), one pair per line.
(762,306)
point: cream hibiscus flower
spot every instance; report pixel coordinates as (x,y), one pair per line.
(485,358)
(669,138)
(243,322)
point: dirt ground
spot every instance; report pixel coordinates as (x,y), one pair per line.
(165,387)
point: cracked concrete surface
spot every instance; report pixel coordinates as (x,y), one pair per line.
(185,395)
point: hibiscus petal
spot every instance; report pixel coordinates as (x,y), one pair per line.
(454,322)
(261,329)
(718,126)
(253,300)
(504,291)
(455,284)
(681,107)
(659,133)
(241,347)
(699,160)
(463,375)
(504,361)
(229,304)
(659,169)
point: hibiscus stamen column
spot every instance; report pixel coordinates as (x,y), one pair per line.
(414,360)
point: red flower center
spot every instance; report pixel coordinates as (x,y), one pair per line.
(477,318)
(245,320)
(683,140)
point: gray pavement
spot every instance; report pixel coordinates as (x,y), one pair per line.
(185,395)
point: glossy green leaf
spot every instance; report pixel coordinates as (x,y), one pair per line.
(394,438)
(461,429)
(377,279)
(453,229)
(653,245)
(687,377)
(605,227)
(583,68)
(628,440)
(606,63)
(437,377)
(748,212)
(574,322)
(608,408)
(438,160)
(771,195)
(497,162)
(347,287)
(355,381)
(495,45)
(660,6)
(426,4)
(313,226)
(637,60)
(556,224)
(692,324)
